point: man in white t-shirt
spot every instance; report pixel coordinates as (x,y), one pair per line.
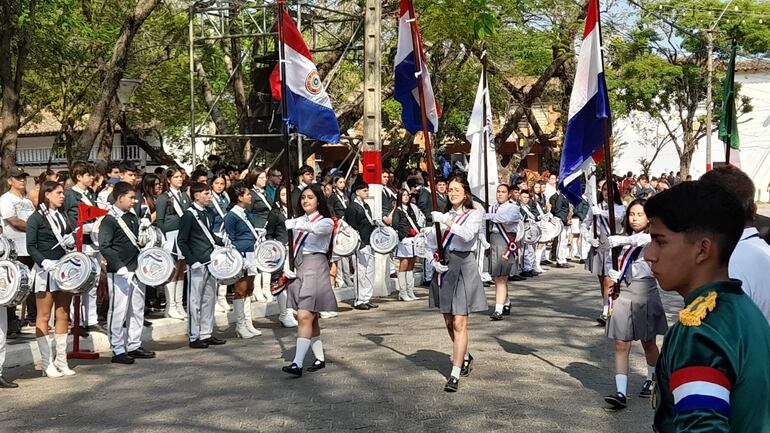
(751,258)
(15,208)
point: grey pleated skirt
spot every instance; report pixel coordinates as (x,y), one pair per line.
(461,291)
(312,290)
(598,262)
(499,266)
(638,313)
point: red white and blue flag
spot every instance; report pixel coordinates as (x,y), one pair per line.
(589,109)
(700,388)
(406,81)
(310,110)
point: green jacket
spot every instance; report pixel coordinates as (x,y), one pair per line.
(192,241)
(41,239)
(115,245)
(713,373)
(72,199)
(166,217)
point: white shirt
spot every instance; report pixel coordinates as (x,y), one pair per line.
(640,268)
(465,234)
(508,214)
(602,227)
(319,233)
(750,263)
(13,206)
(549,191)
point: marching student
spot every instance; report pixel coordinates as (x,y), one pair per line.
(528,250)
(197,241)
(637,314)
(260,208)
(311,292)
(599,260)
(276,230)
(305,177)
(83,173)
(359,216)
(243,236)
(504,217)
(407,221)
(456,291)
(169,208)
(118,233)
(220,203)
(559,206)
(48,239)
(338,203)
(712,373)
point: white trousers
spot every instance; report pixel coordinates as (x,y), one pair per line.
(88,314)
(201,300)
(527,257)
(563,247)
(3,333)
(126,308)
(364,275)
(428,269)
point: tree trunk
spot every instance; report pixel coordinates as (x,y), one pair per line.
(11,80)
(114,72)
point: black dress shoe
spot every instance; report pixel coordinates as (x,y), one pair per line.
(506,310)
(452,384)
(317,365)
(517,278)
(361,307)
(198,344)
(425,283)
(371,305)
(141,353)
(214,341)
(582,262)
(83,332)
(465,370)
(292,369)
(563,265)
(546,262)
(602,319)
(646,391)
(147,324)
(496,316)
(617,400)
(5,383)
(123,358)
(528,274)
(97,328)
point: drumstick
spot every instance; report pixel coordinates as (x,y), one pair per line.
(62,240)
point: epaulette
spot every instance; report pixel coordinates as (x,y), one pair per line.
(696,311)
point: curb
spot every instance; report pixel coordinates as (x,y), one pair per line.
(26,354)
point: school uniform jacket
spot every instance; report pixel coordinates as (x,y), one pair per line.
(259,208)
(115,245)
(338,205)
(388,200)
(192,241)
(224,204)
(560,207)
(167,218)
(238,232)
(356,216)
(71,200)
(41,239)
(276,225)
(401,222)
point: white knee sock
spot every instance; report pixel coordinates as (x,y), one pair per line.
(303,344)
(650,372)
(455,372)
(621,383)
(499,308)
(318,348)
(605,309)
(507,302)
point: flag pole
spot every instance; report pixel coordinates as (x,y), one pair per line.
(285,131)
(417,53)
(485,137)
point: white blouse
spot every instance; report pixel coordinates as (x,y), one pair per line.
(465,235)
(640,268)
(508,214)
(316,234)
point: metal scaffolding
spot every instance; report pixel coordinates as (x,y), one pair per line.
(216,26)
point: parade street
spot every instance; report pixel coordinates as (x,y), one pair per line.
(543,369)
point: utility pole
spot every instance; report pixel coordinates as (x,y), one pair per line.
(371,155)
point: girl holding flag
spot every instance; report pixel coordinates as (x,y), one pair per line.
(637,313)
(456,289)
(504,217)
(310,290)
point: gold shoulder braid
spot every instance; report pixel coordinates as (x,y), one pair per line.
(693,314)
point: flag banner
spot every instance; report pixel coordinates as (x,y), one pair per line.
(86,213)
(310,110)
(406,81)
(477,179)
(728,118)
(589,109)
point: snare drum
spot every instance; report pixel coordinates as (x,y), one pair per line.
(155,266)
(346,241)
(226,265)
(383,240)
(420,245)
(15,283)
(7,248)
(75,273)
(151,237)
(269,256)
(531,233)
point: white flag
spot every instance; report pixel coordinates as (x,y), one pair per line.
(476,175)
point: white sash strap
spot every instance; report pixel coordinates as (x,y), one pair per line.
(369,217)
(342,199)
(262,197)
(57,231)
(129,234)
(248,224)
(217,206)
(206,231)
(411,222)
(176,203)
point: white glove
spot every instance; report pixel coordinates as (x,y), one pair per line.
(488,216)
(144,223)
(593,241)
(291,275)
(68,241)
(379,223)
(123,271)
(640,239)
(596,210)
(88,228)
(617,240)
(301,225)
(613,275)
(440,217)
(484,244)
(196,265)
(439,267)
(290,223)
(48,264)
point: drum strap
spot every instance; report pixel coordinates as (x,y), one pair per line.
(205,229)
(57,227)
(411,221)
(302,235)
(446,239)
(342,199)
(129,234)
(369,217)
(176,203)
(261,195)
(248,224)
(218,208)
(528,212)
(83,195)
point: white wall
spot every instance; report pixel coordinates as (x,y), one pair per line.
(754,130)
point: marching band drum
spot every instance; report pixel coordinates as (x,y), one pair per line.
(227,265)
(155,266)
(76,273)
(15,283)
(269,256)
(550,227)
(346,241)
(384,240)
(531,233)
